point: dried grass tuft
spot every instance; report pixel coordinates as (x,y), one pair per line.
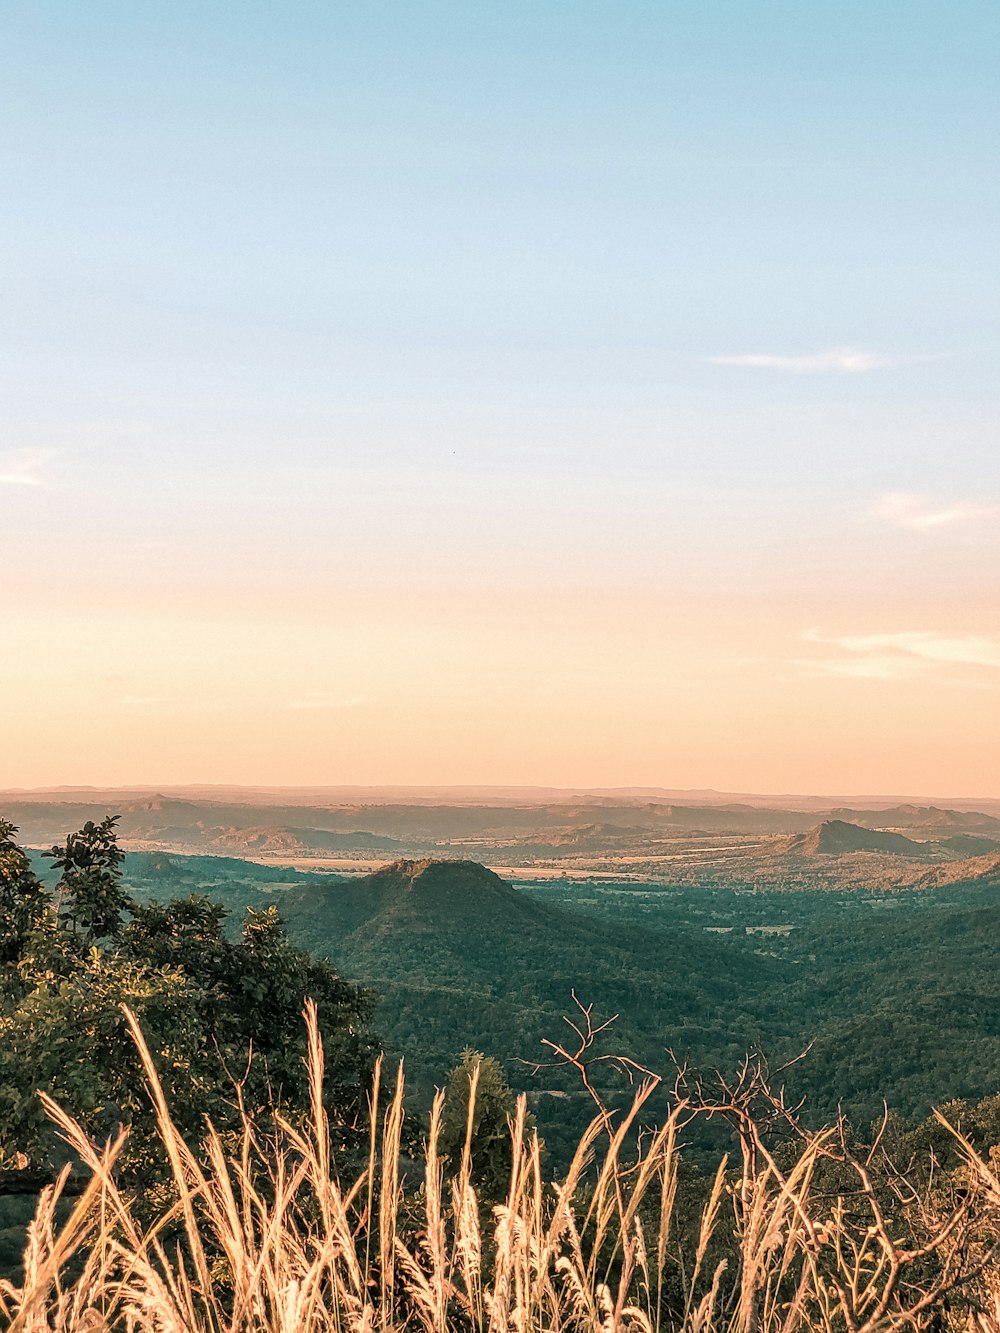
(262,1237)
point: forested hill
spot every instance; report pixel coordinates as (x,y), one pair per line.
(458,957)
(897,991)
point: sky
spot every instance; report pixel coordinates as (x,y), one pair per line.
(557,392)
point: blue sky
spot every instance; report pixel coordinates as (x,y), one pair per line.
(554,208)
(425,304)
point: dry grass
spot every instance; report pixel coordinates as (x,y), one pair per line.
(264,1236)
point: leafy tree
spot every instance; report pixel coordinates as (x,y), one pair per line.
(213,1009)
(66,1034)
(90,890)
(494,1109)
(250,994)
(23,898)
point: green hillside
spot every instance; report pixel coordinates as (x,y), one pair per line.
(459,957)
(898,994)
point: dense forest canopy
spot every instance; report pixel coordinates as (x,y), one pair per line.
(75,954)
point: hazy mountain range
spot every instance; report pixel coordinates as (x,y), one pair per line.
(622,834)
(310,797)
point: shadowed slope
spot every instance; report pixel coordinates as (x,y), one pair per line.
(459,957)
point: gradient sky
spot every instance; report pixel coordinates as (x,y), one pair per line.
(534,392)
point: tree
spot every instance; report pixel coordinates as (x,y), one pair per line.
(23,898)
(250,994)
(90,890)
(63,1031)
(214,1011)
(493,1110)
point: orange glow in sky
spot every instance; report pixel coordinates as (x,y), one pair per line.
(600,396)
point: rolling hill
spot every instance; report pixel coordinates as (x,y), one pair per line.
(834,837)
(451,947)
(457,957)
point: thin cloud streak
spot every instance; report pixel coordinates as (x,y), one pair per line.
(879,651)
(840,360)
(22,467)
(921,514)
(860,668)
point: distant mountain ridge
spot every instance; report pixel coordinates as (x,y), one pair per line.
(467,794)
(385,827)
(920,817)
(282,839)
(669,842)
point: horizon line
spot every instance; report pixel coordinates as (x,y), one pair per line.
(680,794)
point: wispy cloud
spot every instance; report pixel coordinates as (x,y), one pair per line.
(23,467)
(840,360)
(922,514)
(873,667)
(899,656)
(320,699)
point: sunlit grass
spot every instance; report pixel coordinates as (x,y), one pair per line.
(259,1232)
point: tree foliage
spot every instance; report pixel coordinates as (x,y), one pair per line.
(91,895)
(23,898)
(480,1078)
(222,1015)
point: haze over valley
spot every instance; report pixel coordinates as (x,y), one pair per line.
(676,838)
